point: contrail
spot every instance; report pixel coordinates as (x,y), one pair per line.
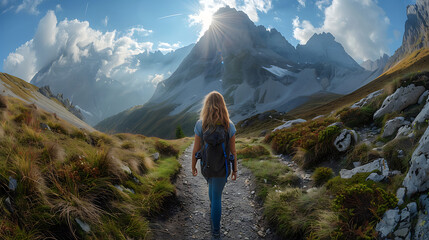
(86,9)
(172,15)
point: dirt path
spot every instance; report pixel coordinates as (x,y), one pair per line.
(188,216)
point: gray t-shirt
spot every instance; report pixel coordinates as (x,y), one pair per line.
(199,129)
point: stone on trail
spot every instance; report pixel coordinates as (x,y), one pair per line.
(400,99)
(344,140)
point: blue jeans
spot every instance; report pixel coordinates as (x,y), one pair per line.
(216,186)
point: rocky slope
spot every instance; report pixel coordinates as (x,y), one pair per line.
(255,69)
(416,35)
(18,88)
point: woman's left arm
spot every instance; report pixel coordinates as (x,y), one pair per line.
(197,147)
(232,150)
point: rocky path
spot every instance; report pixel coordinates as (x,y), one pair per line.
(188,216)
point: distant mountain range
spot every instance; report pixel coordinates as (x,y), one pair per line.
(254,68)
(104,97)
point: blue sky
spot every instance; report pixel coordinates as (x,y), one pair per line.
(169,24)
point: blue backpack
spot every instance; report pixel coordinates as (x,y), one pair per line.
(215,153)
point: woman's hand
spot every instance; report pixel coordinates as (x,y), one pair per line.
(234,175)
(194,171)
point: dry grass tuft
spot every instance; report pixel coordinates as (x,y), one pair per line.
(53,152)
(109,165)
(3,101)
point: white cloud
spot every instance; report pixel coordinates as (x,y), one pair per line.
(362,35)
(277,19)
(321,4)
(58,8)
(105,21)
(73,41)
(156,79)
(132,32)
(30,6)
(209,7)
(301,2)
(167,47)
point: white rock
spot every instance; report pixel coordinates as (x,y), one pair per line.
(403,131)
(400,99)
(412,208)
(423,97)
(344,140)
(378,164)
(320,116)
(364,101)
(417,179)
(423,114)
(155,156)
(375,177)
(126,169)
(400,193)
(422,226)
(357,164)
(338,124)
(289,124)
(393,125)
(388,222)
(12,183)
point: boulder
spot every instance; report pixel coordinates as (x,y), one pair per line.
(378,164)
(393,125)
(126,169)
(422,226)
(423,97)
(364,101)
(404,131)
(375,177)
(423,114)
(338,124)
(400,193)
(289,124)
(44,126)
(388,222)
(344,140)
(400,99)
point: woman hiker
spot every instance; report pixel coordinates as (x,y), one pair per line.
(214,124)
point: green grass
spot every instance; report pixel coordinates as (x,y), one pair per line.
(69,173)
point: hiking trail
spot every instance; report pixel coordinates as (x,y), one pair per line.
(188,216)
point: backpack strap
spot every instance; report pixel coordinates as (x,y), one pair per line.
(226,160)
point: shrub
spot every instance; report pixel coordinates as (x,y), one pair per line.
(3,102)
(165,148)
(360,208)
(127,145)
(322,175)
(361,153)
(294,213)
(314,138)
(357,117)
(253,151)
(179,132)
(79,134)
(58,128)
(390,152)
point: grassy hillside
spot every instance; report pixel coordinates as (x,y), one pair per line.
(156,121)
(67,183)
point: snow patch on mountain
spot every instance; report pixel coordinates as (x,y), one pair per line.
(278,71)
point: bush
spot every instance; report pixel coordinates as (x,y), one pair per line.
(357,117)
(166,149)
(179,132)
(361,153)
(127,145)
(391,154)
(252,151)
(360,209)
(3,102)
(322,175)
(314,138)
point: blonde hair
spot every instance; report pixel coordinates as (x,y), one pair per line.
(214,111)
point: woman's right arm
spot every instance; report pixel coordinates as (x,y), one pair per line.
(197,147)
